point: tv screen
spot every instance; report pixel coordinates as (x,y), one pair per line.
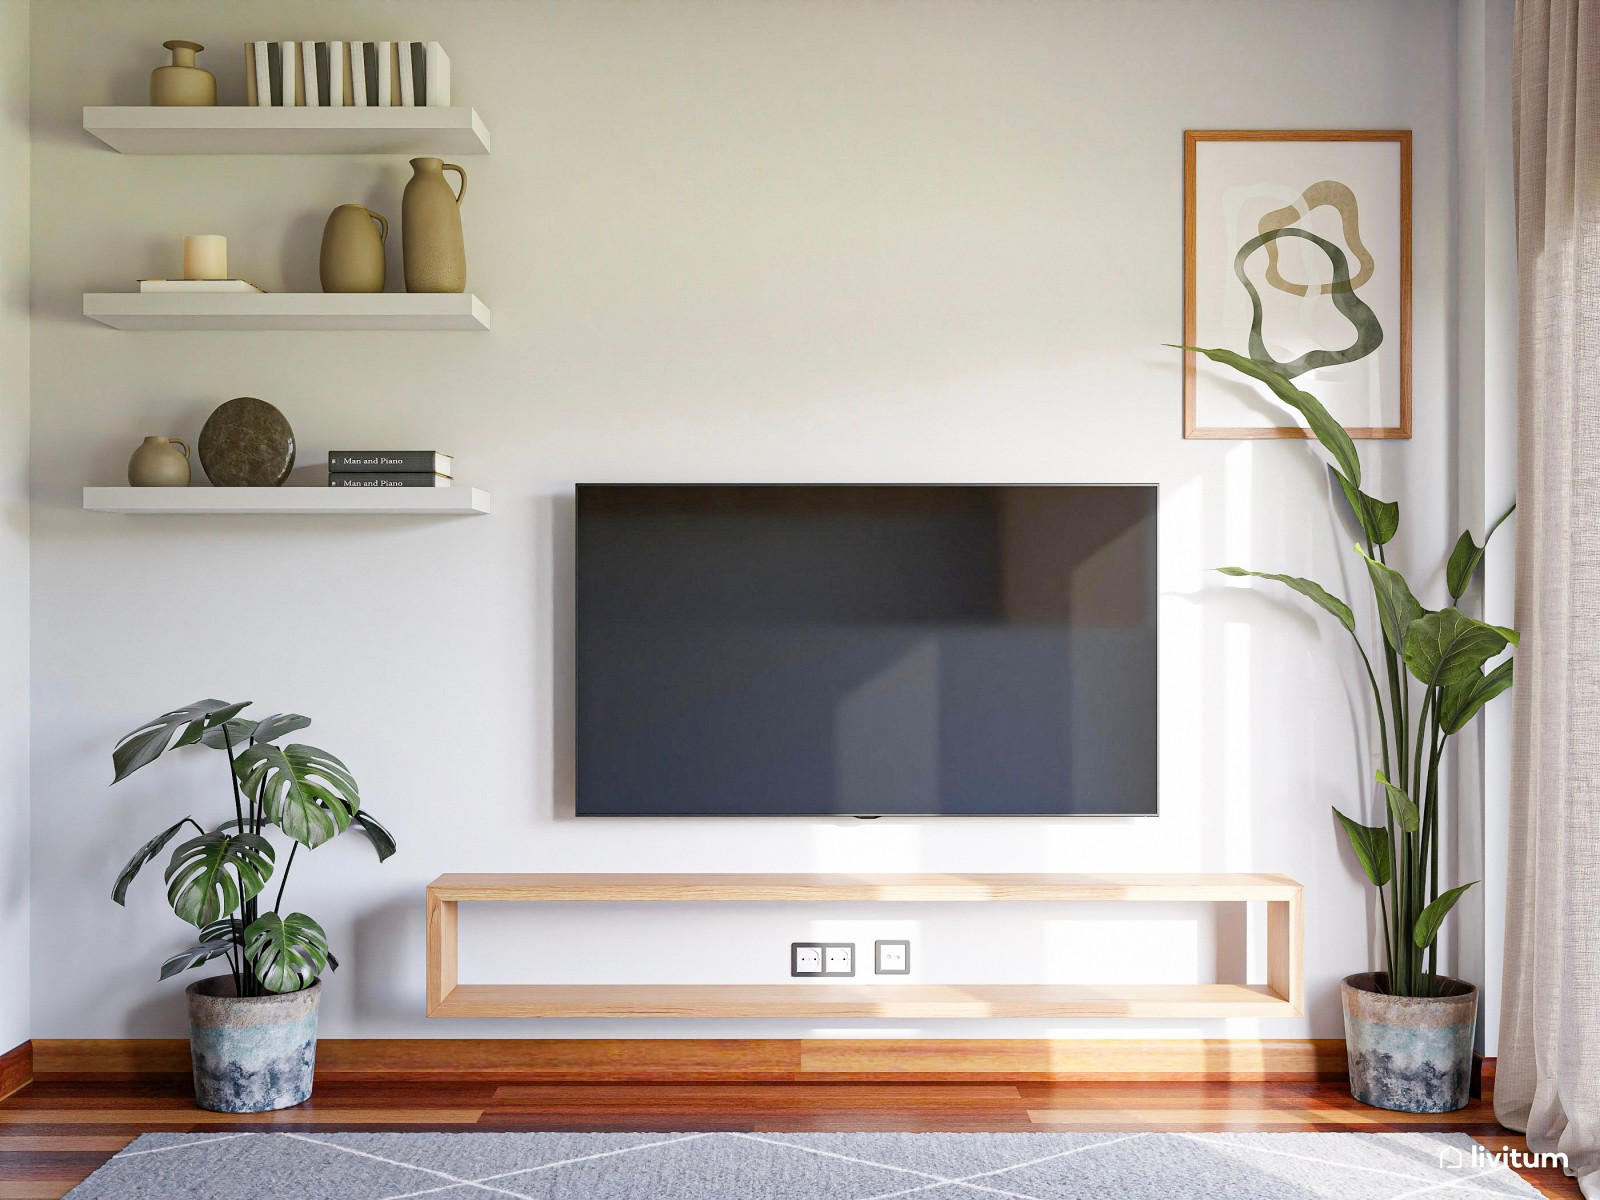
(818,650)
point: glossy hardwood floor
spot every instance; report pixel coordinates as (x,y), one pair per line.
(53,1135)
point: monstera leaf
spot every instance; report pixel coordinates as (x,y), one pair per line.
(1323,427)
(304,791)
(119,890)
(242,732)
(148,742)
(287,954)
(382,840)
(212,875)
(216,939)
(1448,648)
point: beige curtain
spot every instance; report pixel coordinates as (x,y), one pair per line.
(1548,1076)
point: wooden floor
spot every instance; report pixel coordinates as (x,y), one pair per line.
(52,1135)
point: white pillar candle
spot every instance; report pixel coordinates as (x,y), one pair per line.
(205,256)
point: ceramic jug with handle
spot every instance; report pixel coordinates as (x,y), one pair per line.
(160,462)
(430,229)
(352,250)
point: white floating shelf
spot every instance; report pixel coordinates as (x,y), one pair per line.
(328,501)
(240,130)
(288,310)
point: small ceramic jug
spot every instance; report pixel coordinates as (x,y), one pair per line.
(159,462)
(183,83)
(352,250)
(430,229)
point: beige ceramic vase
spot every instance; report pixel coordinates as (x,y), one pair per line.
(430,229)
(183,83)
(159,462)
(352,250)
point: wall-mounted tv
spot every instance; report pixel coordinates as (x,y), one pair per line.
(817,650)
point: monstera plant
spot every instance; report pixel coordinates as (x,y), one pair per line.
(1435,677)
(218,878)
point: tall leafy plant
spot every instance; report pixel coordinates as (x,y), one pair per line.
(1436,676)
(216,880)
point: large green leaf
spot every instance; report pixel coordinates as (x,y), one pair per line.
(119,890)
(1401,805)
(148,742)
(216,939)
(1311,591)
(304,791)
(1326,430)
(1460,702)
(287,954)
(1464,559)
(274,727)
(236,731)
(1447,648)
(1427,928)
(210,876)
(382,840)
(1379,519)
(1371,844)
(1397,607)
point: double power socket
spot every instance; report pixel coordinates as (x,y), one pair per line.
(838,959)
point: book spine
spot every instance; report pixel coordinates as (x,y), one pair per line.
(402,461)
(338,78)
(251,96)
(324,76)
(407,479)
(275,74)
(419,72)
(385,74)
(438,76)
(358,73)
(308,69)
(294,80)
(408,82)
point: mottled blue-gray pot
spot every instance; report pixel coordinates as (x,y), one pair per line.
(252,1053)
(1409,1053)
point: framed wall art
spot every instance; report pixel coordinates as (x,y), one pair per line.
(1297,253)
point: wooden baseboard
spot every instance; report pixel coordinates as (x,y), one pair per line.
(863,1060)
(16,1069)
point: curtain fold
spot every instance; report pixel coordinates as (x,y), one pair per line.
(1548,1075)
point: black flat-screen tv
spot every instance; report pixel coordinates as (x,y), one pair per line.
(819,650)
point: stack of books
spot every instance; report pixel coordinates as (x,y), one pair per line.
(347,75)
(388,468)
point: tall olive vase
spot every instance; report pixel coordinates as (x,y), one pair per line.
(1409,1053)
(434,251)
(352,250)
(251,1053)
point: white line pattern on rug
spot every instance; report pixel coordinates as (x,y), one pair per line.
(1032,1162)
(204,1141)
(867,1162)
(1334,1162)
(455,1181)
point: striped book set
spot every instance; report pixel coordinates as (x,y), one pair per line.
(346,75)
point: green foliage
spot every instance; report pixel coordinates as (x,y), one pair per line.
(1436,668)
(215,880)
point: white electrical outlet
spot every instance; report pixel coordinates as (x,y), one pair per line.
(822,958)
(805,958)
(891,958)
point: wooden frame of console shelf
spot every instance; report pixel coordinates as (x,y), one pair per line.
(1283,995)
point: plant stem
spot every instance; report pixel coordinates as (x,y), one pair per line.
(282,883)
(233,778)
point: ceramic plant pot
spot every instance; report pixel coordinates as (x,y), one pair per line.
(183,83)
(1409,1053)
(251,1054)
(160,462)
(430,229)
(352,250)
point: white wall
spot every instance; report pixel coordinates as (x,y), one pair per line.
(14,875)
(800,240)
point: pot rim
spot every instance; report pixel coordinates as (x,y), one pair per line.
(199,990)
(1364,981)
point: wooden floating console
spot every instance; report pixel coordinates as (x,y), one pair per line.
(1283,995)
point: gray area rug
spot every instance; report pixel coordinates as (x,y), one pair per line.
(803,1166)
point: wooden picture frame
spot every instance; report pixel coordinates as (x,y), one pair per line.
(1395,292)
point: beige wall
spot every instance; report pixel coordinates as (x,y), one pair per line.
(796,240)
(14,881)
